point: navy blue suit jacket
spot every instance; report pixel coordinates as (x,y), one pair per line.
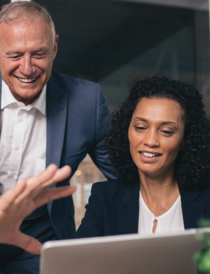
(77,117)
(113,209)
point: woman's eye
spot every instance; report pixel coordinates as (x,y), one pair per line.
(139,127)
(168,132)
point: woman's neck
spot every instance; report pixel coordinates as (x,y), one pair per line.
(158,194)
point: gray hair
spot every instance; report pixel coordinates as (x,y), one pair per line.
(20,11)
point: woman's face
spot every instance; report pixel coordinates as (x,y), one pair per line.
(156,135)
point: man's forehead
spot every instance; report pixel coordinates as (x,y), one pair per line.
(22,31)
(40,49)
(27,22)
(27,39)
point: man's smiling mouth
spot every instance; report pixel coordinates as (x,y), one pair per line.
(27,80)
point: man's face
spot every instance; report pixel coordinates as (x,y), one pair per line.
(27,51)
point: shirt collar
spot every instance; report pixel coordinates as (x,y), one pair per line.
(8,99)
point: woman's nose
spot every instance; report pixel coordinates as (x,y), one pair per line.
(151,138)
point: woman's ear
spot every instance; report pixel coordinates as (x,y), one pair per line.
(182,144)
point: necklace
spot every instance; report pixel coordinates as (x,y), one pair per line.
(154,224)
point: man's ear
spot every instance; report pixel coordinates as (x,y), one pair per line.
(55,49)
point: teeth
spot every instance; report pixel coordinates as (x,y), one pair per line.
(24,80)
(150,155)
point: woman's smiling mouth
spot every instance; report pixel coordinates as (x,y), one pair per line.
(150,154)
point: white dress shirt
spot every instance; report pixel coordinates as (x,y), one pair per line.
(171,220)
(22,138)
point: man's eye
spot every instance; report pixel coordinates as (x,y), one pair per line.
(15,57)
(39,56)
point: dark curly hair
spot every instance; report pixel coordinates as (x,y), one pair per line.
(192,167)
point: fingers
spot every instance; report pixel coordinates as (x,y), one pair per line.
(7,199)
(50,176)
(28,243)
(49,194)
(43,177)
(60,175)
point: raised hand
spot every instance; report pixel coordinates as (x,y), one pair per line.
(25,197)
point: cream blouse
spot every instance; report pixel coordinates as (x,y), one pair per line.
(171,220)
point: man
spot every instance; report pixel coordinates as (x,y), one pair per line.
(45,118)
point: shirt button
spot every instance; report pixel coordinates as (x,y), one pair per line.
(21,120)
(11,175)
(1,189)
(16,148)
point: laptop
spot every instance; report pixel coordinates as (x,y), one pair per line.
(125,254)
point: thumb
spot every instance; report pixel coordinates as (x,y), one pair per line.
(27,243)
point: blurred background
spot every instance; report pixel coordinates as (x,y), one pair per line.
(112,42)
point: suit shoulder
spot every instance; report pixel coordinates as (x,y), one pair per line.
(206,194)
(110,188)
(199,195)
(68,82)
(110,183)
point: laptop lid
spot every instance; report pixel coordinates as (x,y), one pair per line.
(160,254)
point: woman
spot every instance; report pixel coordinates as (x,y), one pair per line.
(159,142)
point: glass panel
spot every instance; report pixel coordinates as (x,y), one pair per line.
(173,57)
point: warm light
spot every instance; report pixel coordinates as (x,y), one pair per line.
(78,172)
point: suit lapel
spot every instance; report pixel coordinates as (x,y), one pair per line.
(193,208)
(128,213)
(56,106)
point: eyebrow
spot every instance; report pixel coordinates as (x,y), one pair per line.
(43,49)
(163,123)
(12,52)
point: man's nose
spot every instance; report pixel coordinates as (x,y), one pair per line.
(151,138)
(26,67)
